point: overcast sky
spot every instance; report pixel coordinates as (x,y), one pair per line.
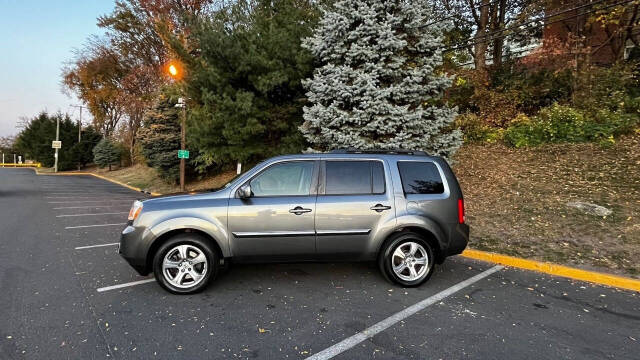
(36,38)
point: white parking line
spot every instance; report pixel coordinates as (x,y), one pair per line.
(94,196)
(88,226)
(87,207)
(74,215)
(87,201)
(119,286)
(95,246)
(369,332)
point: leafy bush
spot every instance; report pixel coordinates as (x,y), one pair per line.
(476,130)
(106,153)
(604,88)
(560,123)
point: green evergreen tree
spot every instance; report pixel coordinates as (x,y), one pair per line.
(34,141)
(106,153)
(82,152)
(379,85)
(159,138)
(245,83)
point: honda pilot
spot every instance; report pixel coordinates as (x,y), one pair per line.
(403,209)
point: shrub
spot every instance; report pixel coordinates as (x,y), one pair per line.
(476,130)
(106,153)
(560,123)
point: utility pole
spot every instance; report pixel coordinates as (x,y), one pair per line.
(79,125)
(57,139)
(3,159)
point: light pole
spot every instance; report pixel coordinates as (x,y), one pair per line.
(175,72)
(183,114)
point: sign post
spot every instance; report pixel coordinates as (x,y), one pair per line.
(57,144)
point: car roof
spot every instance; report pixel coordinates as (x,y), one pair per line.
(394,157)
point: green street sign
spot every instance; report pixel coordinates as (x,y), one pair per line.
(183,154)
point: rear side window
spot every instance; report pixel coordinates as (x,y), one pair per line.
(420,177)
(354,178)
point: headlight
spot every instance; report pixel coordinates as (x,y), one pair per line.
(136,208)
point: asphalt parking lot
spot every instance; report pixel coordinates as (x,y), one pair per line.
(67,294)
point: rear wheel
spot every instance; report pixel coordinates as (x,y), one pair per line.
(407,259)
(185,264)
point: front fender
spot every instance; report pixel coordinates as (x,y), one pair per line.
(210,227)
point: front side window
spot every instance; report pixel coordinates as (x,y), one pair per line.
(420,177)
(354,178)
(284,179)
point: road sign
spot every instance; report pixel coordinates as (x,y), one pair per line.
(56,144)
(183,154)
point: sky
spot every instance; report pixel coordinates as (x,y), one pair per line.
(36,38)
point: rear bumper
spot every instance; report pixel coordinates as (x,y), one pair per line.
(459,239)
(132,250)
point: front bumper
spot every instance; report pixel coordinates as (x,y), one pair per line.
(132,249)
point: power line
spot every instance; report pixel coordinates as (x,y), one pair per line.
(536,20)
(458,47)
(530,49)
(491,3)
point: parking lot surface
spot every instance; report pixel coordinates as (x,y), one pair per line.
(67,294)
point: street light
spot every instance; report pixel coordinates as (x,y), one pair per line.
(175,72)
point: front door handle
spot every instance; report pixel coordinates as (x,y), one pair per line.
(299,210)
(380,207)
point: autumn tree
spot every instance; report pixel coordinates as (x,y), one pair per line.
(96,77)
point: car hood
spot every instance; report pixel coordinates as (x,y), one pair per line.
(206,194)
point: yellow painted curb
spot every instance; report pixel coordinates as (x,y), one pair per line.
(95,175)
(555,269)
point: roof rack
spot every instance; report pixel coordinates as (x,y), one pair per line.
(379,151)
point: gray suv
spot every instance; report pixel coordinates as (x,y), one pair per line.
(403,209)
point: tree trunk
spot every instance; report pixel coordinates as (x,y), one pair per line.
(498,43)
(480,39)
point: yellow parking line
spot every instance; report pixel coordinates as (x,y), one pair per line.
(98,176)
(555,269)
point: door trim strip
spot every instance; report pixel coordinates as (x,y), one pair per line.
(343,232)
(252,234)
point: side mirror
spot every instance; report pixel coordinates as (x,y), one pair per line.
(244,192)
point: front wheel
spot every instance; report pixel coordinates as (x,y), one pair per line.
(407,259)
(185,264)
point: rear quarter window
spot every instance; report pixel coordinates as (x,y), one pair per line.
(420,177)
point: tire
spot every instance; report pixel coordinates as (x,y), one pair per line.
(190,275)
(390,256)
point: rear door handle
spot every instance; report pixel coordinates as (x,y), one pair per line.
(380,207)
(299,210)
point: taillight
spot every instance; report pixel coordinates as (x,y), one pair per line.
(135,210)
(460,211)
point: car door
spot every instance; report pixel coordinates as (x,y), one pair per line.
(354,201)
(277,220)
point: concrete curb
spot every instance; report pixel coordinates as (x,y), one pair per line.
(555,269)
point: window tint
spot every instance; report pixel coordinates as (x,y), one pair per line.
(285,179)
(354,177)
(420,178)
